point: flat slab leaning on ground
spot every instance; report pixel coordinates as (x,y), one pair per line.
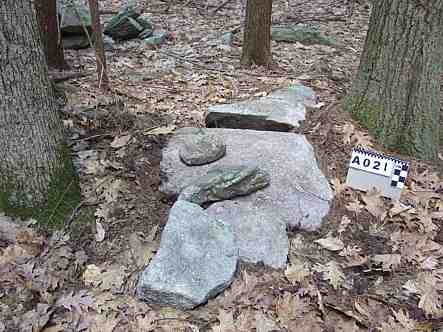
(298,194)
(282,110)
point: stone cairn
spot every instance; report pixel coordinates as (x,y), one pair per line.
(240,184)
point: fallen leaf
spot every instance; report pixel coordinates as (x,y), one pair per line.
(146,323)
(429,287)
(400,322)
(142,251)
(264,323)
(297,272)
(226,320)
(103,323)
(332,273)
(36,319)
(374,204)
(389,261)
(106,278)
(100,234)
(338,186)
(290,307)
(160,130)
(75,302)
(331,243)
(120,141)
(345,222)
(354,206)
(397,208)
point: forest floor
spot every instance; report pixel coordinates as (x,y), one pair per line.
(378,267)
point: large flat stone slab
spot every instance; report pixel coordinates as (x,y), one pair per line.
(282,110)
(298,194)
(197,259)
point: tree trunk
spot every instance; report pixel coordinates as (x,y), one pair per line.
(257,35)
(396,92)
(50,34)
(36,174)
(103,80)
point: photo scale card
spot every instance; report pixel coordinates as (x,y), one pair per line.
(369,169)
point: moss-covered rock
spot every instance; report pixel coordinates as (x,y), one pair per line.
(128,24)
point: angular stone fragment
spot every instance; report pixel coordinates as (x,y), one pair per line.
(200,149)
(282,110)
(225,183)
(157,38)
(298,194)
(259,236)
(197,259)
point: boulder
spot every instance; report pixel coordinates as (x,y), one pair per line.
(227,38)
(128,24)
(75,42)
(298,194)
(259,237)
(202,149)
(197,259)
(301,34)
(225,183)
(75,17)
(282,110)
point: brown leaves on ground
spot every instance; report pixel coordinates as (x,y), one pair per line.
(375,264)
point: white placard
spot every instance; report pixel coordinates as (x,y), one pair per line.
(371,163)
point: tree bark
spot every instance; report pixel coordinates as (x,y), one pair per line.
(257,35)
(396,91)
(46,11)
(36,173)
(103,80)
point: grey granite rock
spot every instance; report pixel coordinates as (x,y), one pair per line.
(128,24)
(225,183)
(298,193)
(157,38)
(302,34)
(282,110)
(74,15)
(75,42)
(227,38)
(200,149)
(197,259)
(260,237)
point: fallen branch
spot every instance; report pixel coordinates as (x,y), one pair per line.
(65,76)
(221,6)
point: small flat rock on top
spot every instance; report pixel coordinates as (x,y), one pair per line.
(282,110)
(298,194)
(225,183)
(202,149)
(197,259)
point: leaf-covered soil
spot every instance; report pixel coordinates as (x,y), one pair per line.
(374,265)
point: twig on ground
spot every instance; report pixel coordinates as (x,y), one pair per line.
(69,220)
(221,6)
(67,75)
(198,65)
